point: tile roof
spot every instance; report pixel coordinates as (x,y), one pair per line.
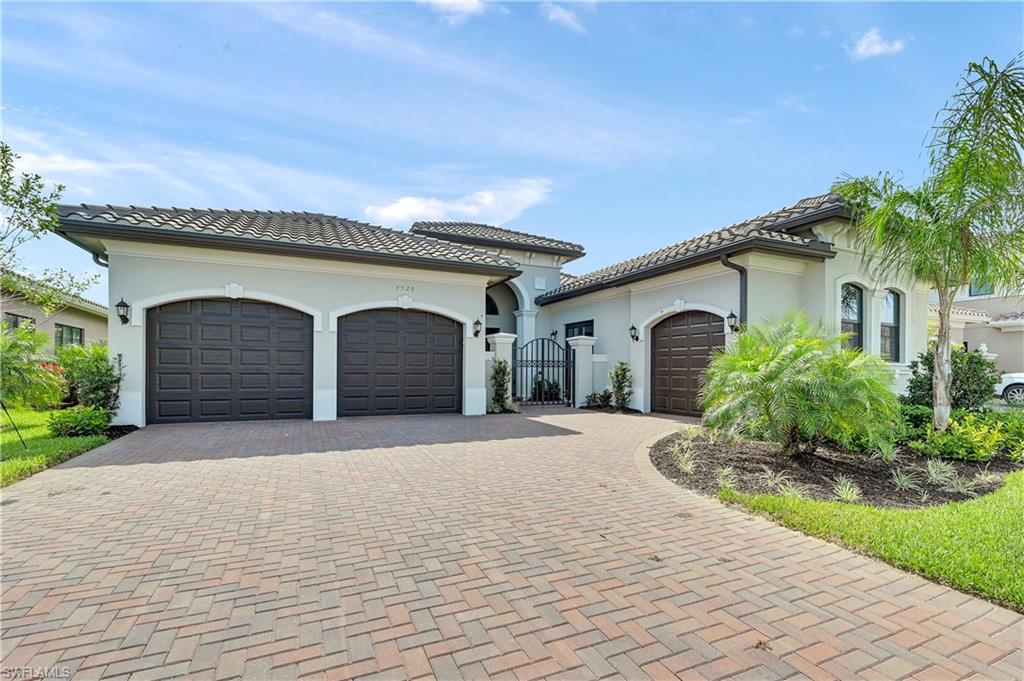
(766,228)
(328,234)
(1009,316)
(72,301)
(963,312)
(474,232)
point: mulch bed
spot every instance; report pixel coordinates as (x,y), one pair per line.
(817,472)
(114,432)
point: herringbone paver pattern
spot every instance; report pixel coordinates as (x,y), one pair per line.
(516,547)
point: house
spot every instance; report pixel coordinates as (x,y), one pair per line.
(254,314)
(990,319)
(79,322)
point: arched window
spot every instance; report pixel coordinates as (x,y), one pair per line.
(491,306)
(853,315)
(890,350)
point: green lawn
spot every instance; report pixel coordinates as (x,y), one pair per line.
(43,451)
(975,546)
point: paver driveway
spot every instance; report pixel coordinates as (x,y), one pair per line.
(519,546)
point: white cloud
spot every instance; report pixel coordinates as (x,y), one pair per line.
(872,44)
(560,15)
(797,104)
(796,31)
(495,205)
(456,12)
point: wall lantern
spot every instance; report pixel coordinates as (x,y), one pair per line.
(122,311)
(554,334)
(633,333)
(477,326)
(733,321)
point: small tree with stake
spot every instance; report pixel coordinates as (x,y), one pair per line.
(965,221)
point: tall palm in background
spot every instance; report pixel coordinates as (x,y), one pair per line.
(965,221)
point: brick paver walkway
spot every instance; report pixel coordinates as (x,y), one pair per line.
(518,546)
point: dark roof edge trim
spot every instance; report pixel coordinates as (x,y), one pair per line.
(497,243)
(131,233)
(820,253)
(838,211)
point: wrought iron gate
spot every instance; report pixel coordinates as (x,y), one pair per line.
(542,372)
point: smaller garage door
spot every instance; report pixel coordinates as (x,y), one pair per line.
(228,360)
(680,351)
(393,361)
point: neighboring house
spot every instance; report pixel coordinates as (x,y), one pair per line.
(80,322)
(989,319)
(251,314)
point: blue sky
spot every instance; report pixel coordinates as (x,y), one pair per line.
(624,127)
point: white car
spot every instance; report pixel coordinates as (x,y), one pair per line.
(1011,388)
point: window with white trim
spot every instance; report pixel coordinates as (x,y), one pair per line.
(852,306)
(890,344)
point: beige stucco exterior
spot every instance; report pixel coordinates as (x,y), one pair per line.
(92,322)
(776,283)
(147,275)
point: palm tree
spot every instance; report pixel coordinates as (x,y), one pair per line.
(965,221)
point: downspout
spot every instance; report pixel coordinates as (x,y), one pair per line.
(743,285)
(96,258)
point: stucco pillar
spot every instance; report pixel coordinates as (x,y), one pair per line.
(325,375)
(474,376)
(526,325)
(501,345)
(583,368)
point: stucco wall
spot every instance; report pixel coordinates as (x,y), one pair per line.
(505,299)
(147,275)
(1008,344)
(94,326)
(776,284)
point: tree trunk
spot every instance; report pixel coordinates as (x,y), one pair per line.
(942,376)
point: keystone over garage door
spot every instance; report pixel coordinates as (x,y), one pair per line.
(680,351)
(228,360)
(393,361)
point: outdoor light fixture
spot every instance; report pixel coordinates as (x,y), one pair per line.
(122,311)
(633,333)
(477,326)
(554,334)
(733,321)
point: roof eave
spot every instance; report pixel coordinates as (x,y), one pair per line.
(132,233)
(572,254)
(836,211)
(819,253)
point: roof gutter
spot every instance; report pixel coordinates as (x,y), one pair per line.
(133,233)
(819,253)
(724,259)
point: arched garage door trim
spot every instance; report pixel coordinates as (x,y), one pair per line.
(683,342)
(227,359)
(404,304)
(232,291)
(395,360)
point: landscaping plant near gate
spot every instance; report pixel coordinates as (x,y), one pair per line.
(787,382)
(621,379)
(972,384)
(965,221)
(76,421)
(601,400)
(93,380)
(501,376)
(25,378)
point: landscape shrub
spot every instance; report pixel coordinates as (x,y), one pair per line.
(501,376)
(26,379)
(545,390)
(969,438)
(972,387)
(76,421)
(621,379)
(601,400)
(917,421)
(93,380)
(787,382)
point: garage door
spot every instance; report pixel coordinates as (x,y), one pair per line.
(228,360)
(393,361)
(680,351)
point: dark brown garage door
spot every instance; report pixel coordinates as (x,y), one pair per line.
(680,351)
(228,360)
(393,361)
